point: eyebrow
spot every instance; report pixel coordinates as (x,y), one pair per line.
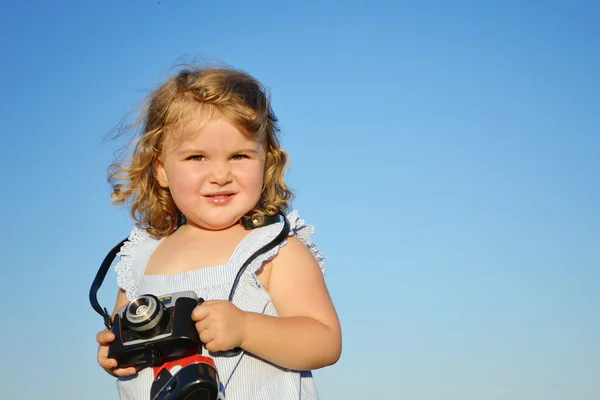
(246,151)
(195,150)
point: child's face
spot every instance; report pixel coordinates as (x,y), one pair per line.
(214,172)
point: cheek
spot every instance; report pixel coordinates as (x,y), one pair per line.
(187,179)
(251,179)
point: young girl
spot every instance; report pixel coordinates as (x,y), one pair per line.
(208,159)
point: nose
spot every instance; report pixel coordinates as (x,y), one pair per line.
(220,173)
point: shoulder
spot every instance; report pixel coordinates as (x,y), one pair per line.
(138,239)
(137,243)
(293,248)
(297,250)
(300,242)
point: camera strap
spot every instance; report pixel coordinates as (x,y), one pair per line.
(101,274)
(276,241)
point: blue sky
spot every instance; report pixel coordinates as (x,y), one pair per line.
(447,153)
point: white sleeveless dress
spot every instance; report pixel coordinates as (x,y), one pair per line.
(243,376)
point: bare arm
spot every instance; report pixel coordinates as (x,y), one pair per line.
(307,333)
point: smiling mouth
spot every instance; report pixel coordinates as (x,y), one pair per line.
(219,196)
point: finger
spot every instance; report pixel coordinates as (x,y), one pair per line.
(104,360)
(105,337)
(102,352)
(202,326)
(214,346)
(206,337)
(200,312)
(108,363)
(124,371)
(210,347)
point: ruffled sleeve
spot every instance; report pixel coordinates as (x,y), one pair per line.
(126,276)
(298,227)
(304,231)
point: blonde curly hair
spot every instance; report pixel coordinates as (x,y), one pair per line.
(224,92)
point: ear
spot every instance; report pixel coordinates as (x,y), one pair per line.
(160,174)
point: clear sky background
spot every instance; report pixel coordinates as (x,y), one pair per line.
(447,153)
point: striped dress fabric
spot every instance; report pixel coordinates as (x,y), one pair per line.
(243,376)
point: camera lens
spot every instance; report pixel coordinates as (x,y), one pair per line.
(146,315)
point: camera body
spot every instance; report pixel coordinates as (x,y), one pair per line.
(152,330)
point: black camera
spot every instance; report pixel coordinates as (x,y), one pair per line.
(153,330)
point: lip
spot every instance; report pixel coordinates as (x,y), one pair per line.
(219,198)
(222,193)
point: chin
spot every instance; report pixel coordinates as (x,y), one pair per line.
(219,224)
(223,227)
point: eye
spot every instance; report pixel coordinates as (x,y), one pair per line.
(196,157)
(239,157)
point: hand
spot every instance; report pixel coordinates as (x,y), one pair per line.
(104,338)
(220,324)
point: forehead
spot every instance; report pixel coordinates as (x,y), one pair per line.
(206,130)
